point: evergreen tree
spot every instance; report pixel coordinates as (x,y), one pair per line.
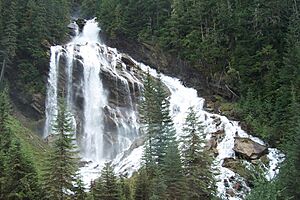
(107,187)
(149,114)
(142,185)
(79,193)
(5,139)
(62,163)
(197,163)
(9,35)
(21,181)
(126,191)
(5,133)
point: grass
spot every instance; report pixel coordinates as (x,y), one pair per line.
(33,146)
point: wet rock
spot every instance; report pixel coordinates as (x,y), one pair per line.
(217,121)
(231,163)
(72,29)
(212,143)
(249,149)
(128,62)
(84,163)
(80,22)
(230,192)
(219,135)
(135,144)
(50,139)
(226,183)
(119,92)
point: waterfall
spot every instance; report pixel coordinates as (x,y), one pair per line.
(95,100)
(51,100)
(102,87)
(105,119)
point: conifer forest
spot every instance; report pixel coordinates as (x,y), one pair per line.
(149,99)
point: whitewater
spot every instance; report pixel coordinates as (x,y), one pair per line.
(96,57)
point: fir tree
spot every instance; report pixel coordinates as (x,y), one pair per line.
(9,36)
(62,162)
(142,185)
(126,191)
(21,181)
(5,139)
(79,193)
(196,161)
(106,187)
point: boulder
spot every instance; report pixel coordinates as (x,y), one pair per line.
(230,163)
(249,149)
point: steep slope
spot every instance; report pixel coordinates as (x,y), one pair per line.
(102,88)
(31,143)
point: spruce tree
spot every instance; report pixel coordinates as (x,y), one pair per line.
(5,138)
(22,181)
(79,193)
(9,35)
(143,187)
(196,161)
(126,191)
(62,163)
(106,186)
(149,112)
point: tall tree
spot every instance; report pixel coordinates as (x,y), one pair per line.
(196,161)
(62,163)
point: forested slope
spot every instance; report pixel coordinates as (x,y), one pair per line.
(251,48)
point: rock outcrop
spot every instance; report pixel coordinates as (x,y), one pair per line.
(248,148)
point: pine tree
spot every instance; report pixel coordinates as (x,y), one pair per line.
(62,162)
(22,181)
(5,133)
(79,193)
(5,139)
(142,185)
(197,163)
(106,187)
(149,114)
(126,191)
(9,35)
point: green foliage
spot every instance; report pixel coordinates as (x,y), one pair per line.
(18,176)
(197,162)
(28,27)
(9,36)
(126,190)
(142,185)
(61,165)
(21,181)
(163,165)
(79,193)
(106,186)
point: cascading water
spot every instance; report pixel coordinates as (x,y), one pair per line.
(80,70)
(102,87)
(51,101)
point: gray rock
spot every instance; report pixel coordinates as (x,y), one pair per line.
(248,148)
